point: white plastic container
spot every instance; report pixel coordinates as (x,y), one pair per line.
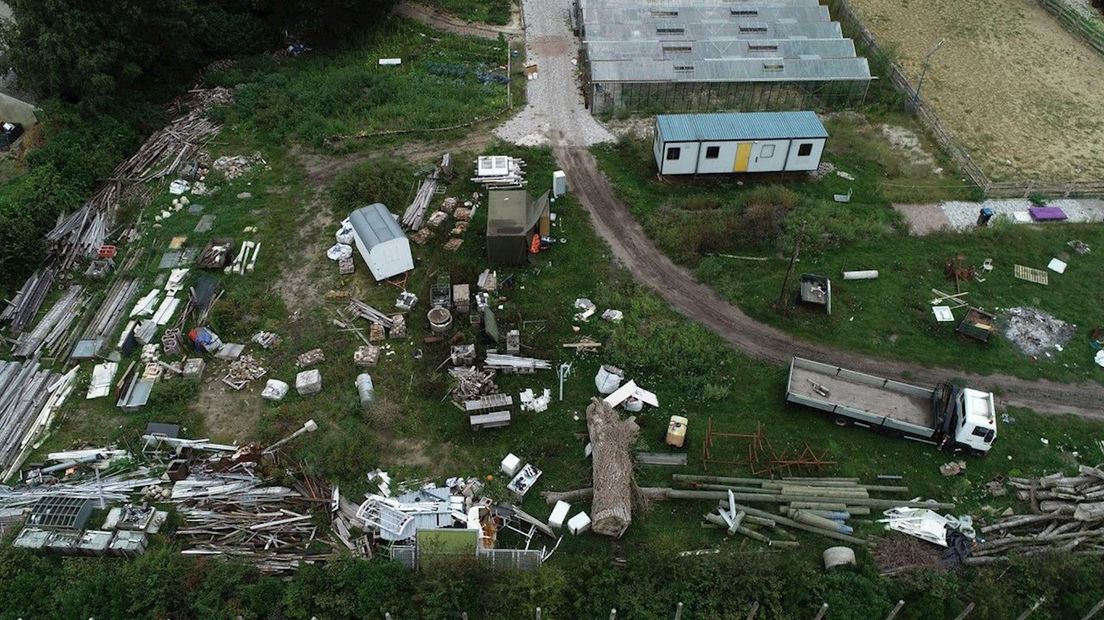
(365,389)
(559,515)
(579,523)
(511,465)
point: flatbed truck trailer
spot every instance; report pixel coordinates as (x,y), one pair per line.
(953,418)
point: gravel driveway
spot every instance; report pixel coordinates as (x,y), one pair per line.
(555,113)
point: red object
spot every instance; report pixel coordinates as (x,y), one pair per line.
(107,251)
(535,246)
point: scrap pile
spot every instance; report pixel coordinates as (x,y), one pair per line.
(82,233)
(29,398)
(111,310)
(362,310)
(414,216)
(234,166)
(471,383)
(515,364)
(19,312)
(52,331)
(234,515)
(500,172)
(1068,515)
(243,370)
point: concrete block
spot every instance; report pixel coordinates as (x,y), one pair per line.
(308,382)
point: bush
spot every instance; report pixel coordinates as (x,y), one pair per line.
(388,181)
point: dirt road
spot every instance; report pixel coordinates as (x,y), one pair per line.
(676,285)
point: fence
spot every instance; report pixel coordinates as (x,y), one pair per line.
(946,140)
(1089,31)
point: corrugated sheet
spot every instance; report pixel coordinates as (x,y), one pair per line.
(732,70)
(740,126)
(718,49)
(374,225)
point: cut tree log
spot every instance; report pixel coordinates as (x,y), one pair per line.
(614,485)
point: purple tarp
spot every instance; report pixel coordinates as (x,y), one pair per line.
(1047,214)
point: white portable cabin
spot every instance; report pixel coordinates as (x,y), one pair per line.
(381,242)
(738,142)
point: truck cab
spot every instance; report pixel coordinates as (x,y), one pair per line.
(976,426)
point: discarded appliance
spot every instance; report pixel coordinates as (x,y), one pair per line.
(511,465)
(578,524)
(513,221)
(559,183)
(524,480)
(496,171)
(559,515)
(738,142)
(817,291)
(381,242)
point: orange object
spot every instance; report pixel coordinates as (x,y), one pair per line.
(534,247)
(107,251)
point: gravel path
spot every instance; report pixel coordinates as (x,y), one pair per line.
(924,219)
(555,113)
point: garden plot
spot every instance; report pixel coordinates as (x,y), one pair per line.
(1021,93)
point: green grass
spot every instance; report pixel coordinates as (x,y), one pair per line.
(698,222)
(314,97)
(487,11)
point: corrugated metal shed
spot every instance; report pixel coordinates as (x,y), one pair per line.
(740,126)
(374,225)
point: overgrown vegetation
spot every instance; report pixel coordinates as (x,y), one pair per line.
(487,11)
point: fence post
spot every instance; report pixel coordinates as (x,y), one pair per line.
(896,610)
(1095,610)
(823,610)
(613,614)
(538,613)
(965,612)
(678,611)
(1030,610)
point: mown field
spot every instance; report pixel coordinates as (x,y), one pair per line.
(1021,92)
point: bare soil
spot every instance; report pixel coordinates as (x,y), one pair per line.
(229,416)
(1022,93)
(447,22)
(924,219)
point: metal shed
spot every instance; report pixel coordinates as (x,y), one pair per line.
(707,55)
(512,220)
(381,242)
(738,142)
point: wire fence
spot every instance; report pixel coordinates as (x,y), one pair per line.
(946,140)
(1085,28)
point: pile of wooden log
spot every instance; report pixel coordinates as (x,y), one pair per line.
(614,485)
(414,216)
(235,516)
(1067,515)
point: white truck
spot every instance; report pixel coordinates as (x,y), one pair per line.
(953,418)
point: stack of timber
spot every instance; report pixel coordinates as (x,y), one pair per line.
(368,313)
(514,363)
(235,516)
(54,325)
(82,233)
(19,311)
(29,398)
(414,216)
(614,484)
(111,310)
(471,383)
(1067,515)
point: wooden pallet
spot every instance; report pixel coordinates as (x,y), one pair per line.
(1038,276)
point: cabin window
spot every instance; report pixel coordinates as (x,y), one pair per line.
(766,151)
(673,153)
(805,150)
(712,152)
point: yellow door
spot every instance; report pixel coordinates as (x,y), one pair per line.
(743,154)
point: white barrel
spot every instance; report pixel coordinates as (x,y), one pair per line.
(365,388)
(869,274)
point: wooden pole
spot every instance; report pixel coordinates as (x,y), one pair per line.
(965,612)
(896,610)
(678,612)
(1030,610)
(782,295)
(538,613)
(823,610)
(1095,610)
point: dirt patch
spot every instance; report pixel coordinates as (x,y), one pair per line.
(924,219)
(1018,90)
(550,45)
(447,22)
(907,142)
(1035,332)
(412,452)
(229,416)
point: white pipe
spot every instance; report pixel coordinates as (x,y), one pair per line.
(869,274)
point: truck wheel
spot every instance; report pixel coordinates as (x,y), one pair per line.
(840,420)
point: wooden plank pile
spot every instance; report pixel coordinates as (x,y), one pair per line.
(53,329)
(234,515)
(414,216)
(515,363)
(362,310)
(20,311)
(1067,515)
(111,309)
(82,233)
(471,383)
(29,398)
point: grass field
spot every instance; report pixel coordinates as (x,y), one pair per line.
(698,221)
(1017,89)
(487,11)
